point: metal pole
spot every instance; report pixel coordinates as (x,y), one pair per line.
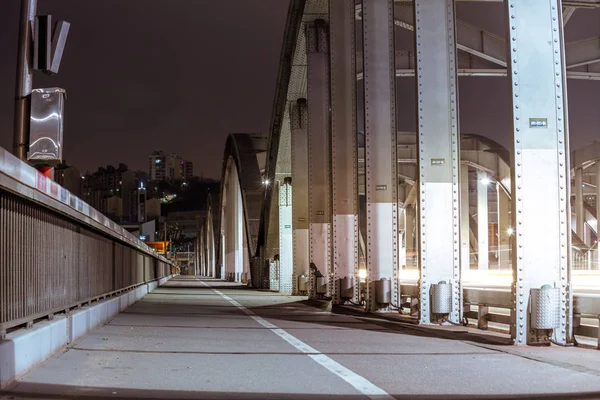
(579,210)
(597,211)
(24,83)
(343,154)
(483,255)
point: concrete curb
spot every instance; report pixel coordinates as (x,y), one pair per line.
(24,349)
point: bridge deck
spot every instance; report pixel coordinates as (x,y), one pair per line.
(208,339)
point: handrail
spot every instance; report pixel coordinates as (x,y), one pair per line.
(57,252)
(22,179)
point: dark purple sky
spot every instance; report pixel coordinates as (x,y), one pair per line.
(179,75)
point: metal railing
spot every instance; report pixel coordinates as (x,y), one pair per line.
(57,253)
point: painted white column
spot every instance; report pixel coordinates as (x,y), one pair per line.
(319,151)
(540,165)
(505,229)
(483,248)
(301,256)
(579,209)
(465,219)
(380,153)
(286,251)
(439,158)
(343,151)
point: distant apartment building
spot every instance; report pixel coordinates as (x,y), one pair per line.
(69,177)
(153,209)
(188,172)
(115,182)
(157,170)
(171,167)
(113,207)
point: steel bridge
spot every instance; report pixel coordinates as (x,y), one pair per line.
(345,258)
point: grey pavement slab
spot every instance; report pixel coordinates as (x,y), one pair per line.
(376,342)
(185,341)
(183,376)
(474,376)
(175,339)
(178,320)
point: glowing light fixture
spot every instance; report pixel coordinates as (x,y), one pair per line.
(486,181)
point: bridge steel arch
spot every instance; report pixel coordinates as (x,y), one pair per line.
(241,203)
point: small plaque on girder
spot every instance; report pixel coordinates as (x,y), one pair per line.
(438,161)
(301,219)
(381,187)
(538,122)
(288,226)
(320,212)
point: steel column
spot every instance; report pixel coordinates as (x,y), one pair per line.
(439,155)
(202,261)
(285,237)
(228,228)
(409,224)
(299,123)
(343,147)
(579,210)
(210,242)
(380,149)
(505,230)
(540,164)
(597,259)
(465,218)
(483,248)
(239,230)
(319,156)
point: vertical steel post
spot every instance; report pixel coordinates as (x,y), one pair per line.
(439,155)
(465,227)
(540,164)
(597,259)
(210,245)
(483,248)
(409,228)
(299,123)
(343,146)
(505,230)
(239,227)
(579,211)
(380,148)
(24,81)
(319,156)
(285,236)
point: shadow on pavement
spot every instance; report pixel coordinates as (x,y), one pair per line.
(57,391)
(303,310)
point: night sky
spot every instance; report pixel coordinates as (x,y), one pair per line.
(179,75)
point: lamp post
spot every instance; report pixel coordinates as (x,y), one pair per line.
(24,83)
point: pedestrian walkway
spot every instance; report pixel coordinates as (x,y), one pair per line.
(208,339)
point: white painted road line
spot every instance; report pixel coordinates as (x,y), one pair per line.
(358,382)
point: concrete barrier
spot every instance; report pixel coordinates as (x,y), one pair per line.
(22,350)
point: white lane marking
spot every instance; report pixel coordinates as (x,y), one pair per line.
(358,382)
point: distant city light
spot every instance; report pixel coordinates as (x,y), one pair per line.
(362,273)
(510,231)
(266,182)
(157,161)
